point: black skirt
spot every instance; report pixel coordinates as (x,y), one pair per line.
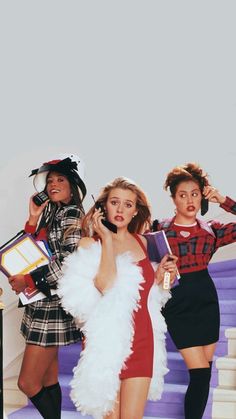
(192,314)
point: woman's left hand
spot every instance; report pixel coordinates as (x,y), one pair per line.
(213,195)
(17,283)
(167,264)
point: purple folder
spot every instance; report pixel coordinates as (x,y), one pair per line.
(157,245)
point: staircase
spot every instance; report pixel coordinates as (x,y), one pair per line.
(171,404)
(224,396)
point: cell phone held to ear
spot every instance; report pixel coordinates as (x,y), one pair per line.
(112,227)
(204,206)
(40,198)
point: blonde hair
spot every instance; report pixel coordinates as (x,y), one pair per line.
(139,223)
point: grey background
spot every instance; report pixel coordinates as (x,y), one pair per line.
(133,87)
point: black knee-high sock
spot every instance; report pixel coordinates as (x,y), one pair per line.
(207,393)
(55,393)
(197,393)
(43,402)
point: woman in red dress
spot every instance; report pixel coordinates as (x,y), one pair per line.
(121,281)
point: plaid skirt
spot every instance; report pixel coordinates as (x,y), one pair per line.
(45,323)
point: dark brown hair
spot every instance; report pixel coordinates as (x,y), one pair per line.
(75,192)
(75,200)
(189,171)
(139,223)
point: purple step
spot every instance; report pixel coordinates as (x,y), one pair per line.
(227,306)
(30,412)
(178,373)
(226,293)
(161,408)
(226,266)
(228,320)
(172,403)
(223,274)
(222,282)
(67,404)
(68,357)
(171,406)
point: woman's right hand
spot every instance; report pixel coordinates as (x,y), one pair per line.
(35,211)
(17,283)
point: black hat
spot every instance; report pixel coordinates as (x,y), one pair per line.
(67,164)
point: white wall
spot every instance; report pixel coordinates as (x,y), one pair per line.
(134,87)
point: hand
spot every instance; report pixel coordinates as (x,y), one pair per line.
(98,226)
(213,195)
(35,211)
(168,263)
(17,283)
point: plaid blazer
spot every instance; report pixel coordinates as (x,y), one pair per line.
(61,244)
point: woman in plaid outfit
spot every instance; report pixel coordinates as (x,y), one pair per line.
(192,314)
(45,324)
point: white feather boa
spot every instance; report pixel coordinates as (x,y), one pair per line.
(108,327)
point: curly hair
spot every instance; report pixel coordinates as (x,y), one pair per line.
(139,223)
(189,171)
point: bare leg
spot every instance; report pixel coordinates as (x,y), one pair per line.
(198,356)
(37,363)
(51,375)
(133,397)
(209,351)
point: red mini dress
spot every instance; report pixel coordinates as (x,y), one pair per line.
(140,362)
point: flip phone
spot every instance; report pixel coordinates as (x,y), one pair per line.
(40,198)
(112,227)
(154,226)
(204,206)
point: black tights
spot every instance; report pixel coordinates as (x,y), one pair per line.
(197,393)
